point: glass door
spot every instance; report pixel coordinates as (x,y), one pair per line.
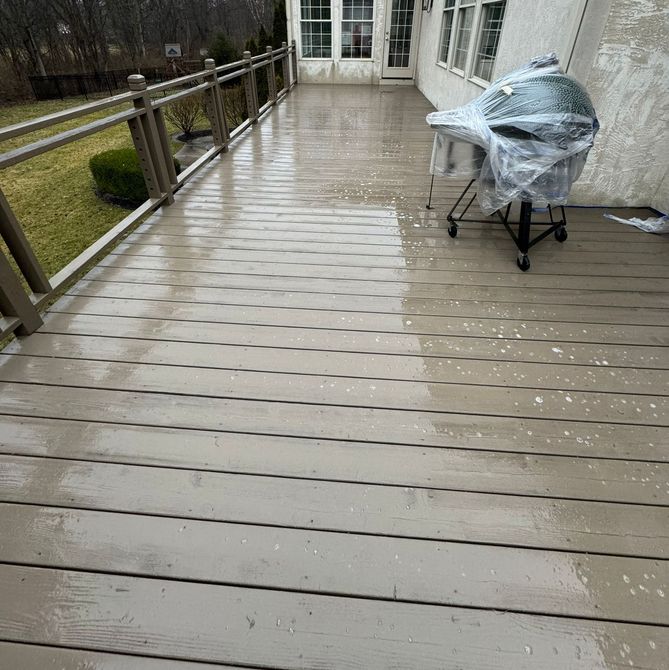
(400,39)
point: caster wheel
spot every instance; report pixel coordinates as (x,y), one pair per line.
(523,262)
(453,230)
(560,234)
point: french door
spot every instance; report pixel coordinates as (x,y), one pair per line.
(401,37)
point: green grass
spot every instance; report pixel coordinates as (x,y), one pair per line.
(53,195)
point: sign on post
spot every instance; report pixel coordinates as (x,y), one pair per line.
(173,50)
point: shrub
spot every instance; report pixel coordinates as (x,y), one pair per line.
(235,105)
(185,113)
(223,51)
(117,173)
(251,45)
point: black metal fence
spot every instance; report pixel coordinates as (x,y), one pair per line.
(68,85)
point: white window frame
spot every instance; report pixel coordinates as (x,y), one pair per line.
(474,6)
(474,40)
(340,9)
(477,43)
(450,7)
(336,20)
(332,31)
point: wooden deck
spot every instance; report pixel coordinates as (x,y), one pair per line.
(290,423)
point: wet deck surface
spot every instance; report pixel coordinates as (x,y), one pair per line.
(290,423)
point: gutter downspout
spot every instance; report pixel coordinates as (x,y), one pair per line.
(289,21)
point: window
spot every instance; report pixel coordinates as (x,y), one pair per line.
(464,33)
(457,48)
(492,15)
(446,28)
(356,28)
(316,28)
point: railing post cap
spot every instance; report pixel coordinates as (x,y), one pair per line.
(269,49)
(136,82)
(293,42)
(247,55)
(284,45)
(209,64)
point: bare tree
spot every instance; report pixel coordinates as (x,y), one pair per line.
(40,36)
(261,11)
(20,30)
(84,22)
(126,19)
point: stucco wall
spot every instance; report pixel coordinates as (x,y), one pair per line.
(444,89)
(628,85)
(529,29)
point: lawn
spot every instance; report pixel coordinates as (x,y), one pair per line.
(53,194)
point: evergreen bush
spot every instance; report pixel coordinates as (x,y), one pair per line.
(117,173)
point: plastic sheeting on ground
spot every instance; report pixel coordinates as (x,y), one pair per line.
(658,225)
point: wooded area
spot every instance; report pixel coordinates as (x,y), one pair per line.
(40,37)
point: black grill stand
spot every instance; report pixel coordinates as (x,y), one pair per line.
(522,238)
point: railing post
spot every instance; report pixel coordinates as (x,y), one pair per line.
(285,65)
(294,63)
(271,75)
(20,249)
(251,89)
(214,107)
(168,159)
(147,142)
(221,96)
(15,302)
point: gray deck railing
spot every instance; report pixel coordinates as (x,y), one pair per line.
(19,309)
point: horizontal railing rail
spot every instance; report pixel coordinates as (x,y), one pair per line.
(19,307)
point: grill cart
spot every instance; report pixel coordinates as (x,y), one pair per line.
(526,138)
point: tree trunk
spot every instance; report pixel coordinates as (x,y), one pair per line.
(35,53)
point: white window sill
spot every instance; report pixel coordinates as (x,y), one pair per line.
(479,82)
(329,60)
(474,80)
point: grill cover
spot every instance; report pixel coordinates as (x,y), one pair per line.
(526,137)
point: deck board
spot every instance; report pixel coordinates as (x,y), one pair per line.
(322,339)
(473,470)
(478,253)
(492,433)
(388,240)
(286,629)
(419,307)
(355,321)
(384,568)
(312,278)
(288,422)
(40,657)
(344,364)
(494,270)
(383,510)
(341,391)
